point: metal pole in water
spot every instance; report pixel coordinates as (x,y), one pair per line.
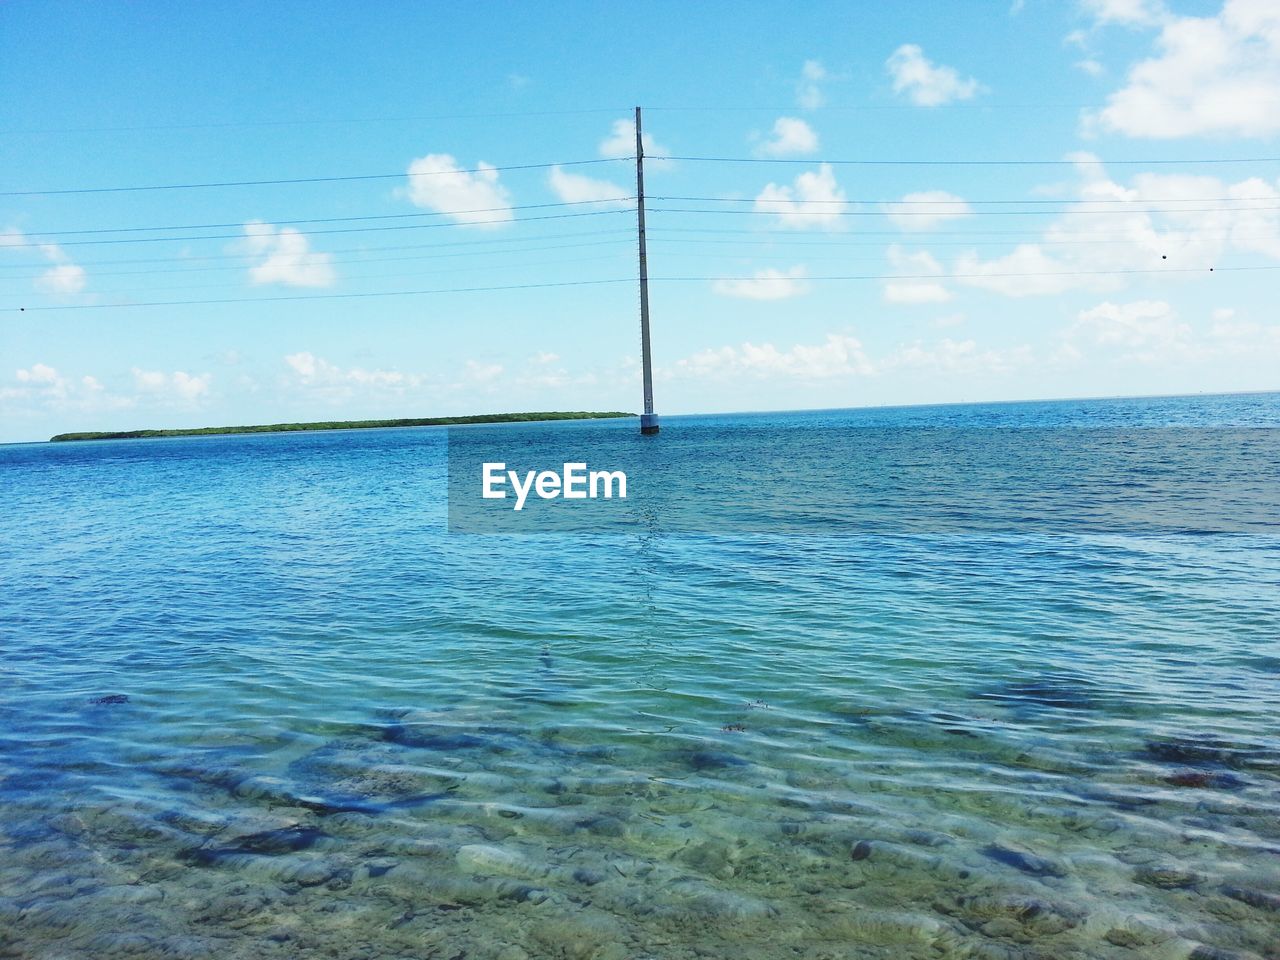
(648,419)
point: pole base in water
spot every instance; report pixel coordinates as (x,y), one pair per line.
(648,423)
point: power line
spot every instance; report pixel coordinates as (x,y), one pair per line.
(319,296)
(521,114)
(968,238)
(923,242)
(967,163)
(320,121)
(290,223)
(360,278)
(421,256)
(960,201)
(976,213)
(22,272)
(573,163)
(314,233)
(940,277)
(273,183)
(906,238)
(411,246)
(631,199)
(582,283)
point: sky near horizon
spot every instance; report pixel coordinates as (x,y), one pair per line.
(457,233)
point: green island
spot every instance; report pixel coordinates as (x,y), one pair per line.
(347,425)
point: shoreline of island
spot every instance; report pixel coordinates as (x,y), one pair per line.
(481,418)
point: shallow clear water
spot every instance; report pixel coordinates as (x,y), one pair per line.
(333,729)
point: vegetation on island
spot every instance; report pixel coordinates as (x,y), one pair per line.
(347,425)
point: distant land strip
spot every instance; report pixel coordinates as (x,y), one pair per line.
(347,425)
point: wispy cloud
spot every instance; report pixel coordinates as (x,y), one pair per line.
(912,291)
(768,284)
(42,387)
(176,387)
(813,201)
(927,84)
(926,210)
(576,188)
(791,137)
(958,356)
(621,143)
(1127,12)
(62,278)
(809,93)
(839,355)
(472,198)
(287,257)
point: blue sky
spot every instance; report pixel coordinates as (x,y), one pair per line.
(1086,276)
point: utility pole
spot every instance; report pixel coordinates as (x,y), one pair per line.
(648,419)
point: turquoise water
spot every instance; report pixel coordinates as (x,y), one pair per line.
(256,700)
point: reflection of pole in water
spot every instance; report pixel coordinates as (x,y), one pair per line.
(648,419)
(648,557)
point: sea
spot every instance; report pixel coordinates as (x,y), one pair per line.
(977,681)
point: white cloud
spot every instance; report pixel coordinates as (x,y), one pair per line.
(926,210)
(63,278)
(911,291)
(1113,231)
(838,356)
(318,375)
(791,137)
(1244,338)
(1151,332)
(38,373)
(1128,12)
(42,386)
(926,84)
(1144,330)
(575,188)
(841,355)
(1090,66)
(813,201)
(768,284)
(178,386)
(1210,76)
(541,371)
(479,372)
(914,292)
(313,369)
(473,198)
(287,257)
(1028,271)
(809,90)
(957,356)
(621,143)
(305,364)
(922,261)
